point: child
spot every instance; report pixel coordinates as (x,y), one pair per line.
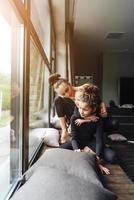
(83,136)
(90,134)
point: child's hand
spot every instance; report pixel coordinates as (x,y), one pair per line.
(78,122)
(77,150)
(88,150)
(104,170)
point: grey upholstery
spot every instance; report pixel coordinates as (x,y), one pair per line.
(63,175)
(79,164)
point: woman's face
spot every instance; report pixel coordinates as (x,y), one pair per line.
(85,110)
(64,90)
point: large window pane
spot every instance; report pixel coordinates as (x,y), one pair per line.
(38,118)
(40,17)
(11,57)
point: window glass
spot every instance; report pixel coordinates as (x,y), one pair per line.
(40,17)
(11,91)
(37,115)
(46,93)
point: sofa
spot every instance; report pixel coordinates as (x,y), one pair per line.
(62,174)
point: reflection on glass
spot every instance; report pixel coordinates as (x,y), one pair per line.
(11,38)
(37,115)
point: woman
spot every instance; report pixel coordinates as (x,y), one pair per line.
(64,103)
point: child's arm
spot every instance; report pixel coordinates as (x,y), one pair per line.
(104,170)
(92,118)
(78,122)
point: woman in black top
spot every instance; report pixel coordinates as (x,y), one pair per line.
(64,102)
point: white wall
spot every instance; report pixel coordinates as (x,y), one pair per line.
(115,65)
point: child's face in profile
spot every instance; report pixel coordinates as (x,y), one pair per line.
(85,110)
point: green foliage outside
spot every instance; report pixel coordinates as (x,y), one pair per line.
(5,88)
(5,119)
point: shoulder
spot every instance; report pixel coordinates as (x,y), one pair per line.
(58,99)
(75,116)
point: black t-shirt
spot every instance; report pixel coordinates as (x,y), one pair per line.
(86,133)
(64,107)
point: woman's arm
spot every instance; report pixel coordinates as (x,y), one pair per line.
(60,109)
(64,133)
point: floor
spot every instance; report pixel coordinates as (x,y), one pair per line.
(119,183)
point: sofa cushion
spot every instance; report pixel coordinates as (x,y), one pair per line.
(117,137)
(53,184)
(55,122)
(51,137)
(80,164)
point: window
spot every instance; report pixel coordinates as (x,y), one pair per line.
(40,18)
(11,91)
(37,114)
(24,98)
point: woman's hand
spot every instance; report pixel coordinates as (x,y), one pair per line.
(103,110)
(103,114)
(64,136)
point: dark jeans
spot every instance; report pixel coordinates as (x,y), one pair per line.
(110,124)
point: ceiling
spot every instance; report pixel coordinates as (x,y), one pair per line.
(95,19)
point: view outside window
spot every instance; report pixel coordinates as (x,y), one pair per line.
(37,115)
(11,62)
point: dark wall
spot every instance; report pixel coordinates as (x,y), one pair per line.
(88,63)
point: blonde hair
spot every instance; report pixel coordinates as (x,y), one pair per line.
(56,80)
(87,88)
(89,99)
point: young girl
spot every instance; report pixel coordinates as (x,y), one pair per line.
(88,136)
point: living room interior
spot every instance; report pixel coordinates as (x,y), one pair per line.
(88,40)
